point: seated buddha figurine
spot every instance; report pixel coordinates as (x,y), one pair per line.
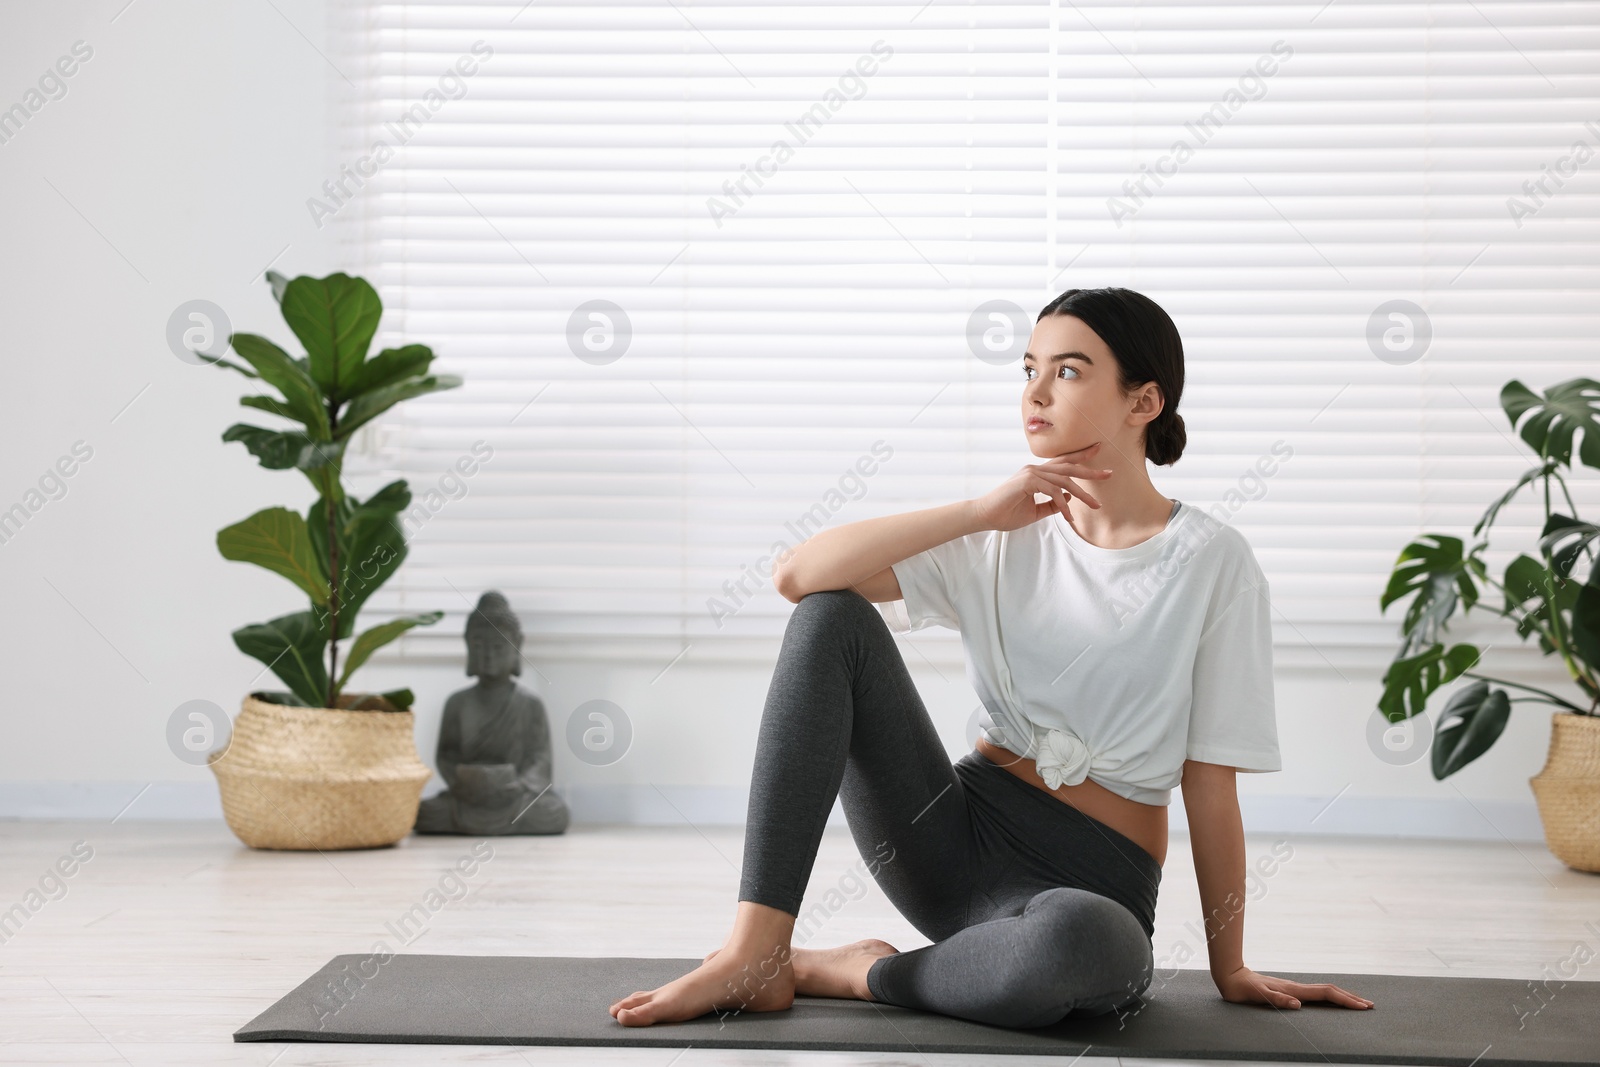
(494,741)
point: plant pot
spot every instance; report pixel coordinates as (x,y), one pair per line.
(1568,790)
(319,778)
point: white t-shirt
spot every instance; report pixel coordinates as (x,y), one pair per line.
(1115,664)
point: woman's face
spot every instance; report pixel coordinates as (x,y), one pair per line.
(1071,403)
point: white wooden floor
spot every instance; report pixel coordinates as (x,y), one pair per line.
(173,934)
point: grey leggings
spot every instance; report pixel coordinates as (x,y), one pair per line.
(1037,911)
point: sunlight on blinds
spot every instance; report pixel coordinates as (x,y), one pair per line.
(718,275)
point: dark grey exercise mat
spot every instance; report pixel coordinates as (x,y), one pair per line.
(562,1000)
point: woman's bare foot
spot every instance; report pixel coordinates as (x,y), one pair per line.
(753,971)
(840,972)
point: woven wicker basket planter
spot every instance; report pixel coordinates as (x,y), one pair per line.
(1568,790)
(319,778)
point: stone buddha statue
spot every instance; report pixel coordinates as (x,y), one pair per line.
(494,741)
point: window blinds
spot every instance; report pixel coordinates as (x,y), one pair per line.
(717,275)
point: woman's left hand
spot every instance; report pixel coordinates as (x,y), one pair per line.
(1245,986)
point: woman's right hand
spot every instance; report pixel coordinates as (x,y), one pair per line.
(1010,505)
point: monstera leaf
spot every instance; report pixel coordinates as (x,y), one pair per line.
(1565,540)
(1586,626)
(1541,596)
(1541,471)
(1410,680)
(1472,720)
(1563,410)
(1436,570)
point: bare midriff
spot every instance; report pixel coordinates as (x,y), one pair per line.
(1144,824)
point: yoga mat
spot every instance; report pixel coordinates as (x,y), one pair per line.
(562,1000)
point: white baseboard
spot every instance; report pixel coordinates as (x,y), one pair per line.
(678,805)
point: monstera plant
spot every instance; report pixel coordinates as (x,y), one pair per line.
(343,548)
(1548,596)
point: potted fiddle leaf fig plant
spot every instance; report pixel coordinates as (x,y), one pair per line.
(1547,596)
(317,766)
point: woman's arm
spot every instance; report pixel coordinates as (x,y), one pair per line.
(858,555)
(1216,836)
(846,556)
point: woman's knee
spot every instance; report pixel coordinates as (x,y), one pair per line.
(832,600)
(833,612)
(1096,957)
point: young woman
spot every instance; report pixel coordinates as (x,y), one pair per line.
(1121,645)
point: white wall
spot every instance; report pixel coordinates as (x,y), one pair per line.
(177,167)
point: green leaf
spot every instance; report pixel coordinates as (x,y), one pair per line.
(376,551)
(369,406)
(335,318)
(269,403)
(1541,471)
(276,538)
(281,450)
(370,541)
(372,640)
(1585,626)
(293,646)
(1564,409)
(379,513)
(289,378)
(1433,568)
(327,483)
(359,522)
(1553,541)
(287,698)
(400,698)
(1567,594)
(393,700)
(390,500)
(1471,721)
(278,282)
(391,365)
(1525,579)
(1409,681)
(218,361)
(276,449)
(284,449)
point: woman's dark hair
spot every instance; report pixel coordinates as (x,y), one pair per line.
(1148,348)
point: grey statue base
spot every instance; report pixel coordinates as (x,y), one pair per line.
(519,813)
(494,742)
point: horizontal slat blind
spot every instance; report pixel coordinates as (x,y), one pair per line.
(782,333)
